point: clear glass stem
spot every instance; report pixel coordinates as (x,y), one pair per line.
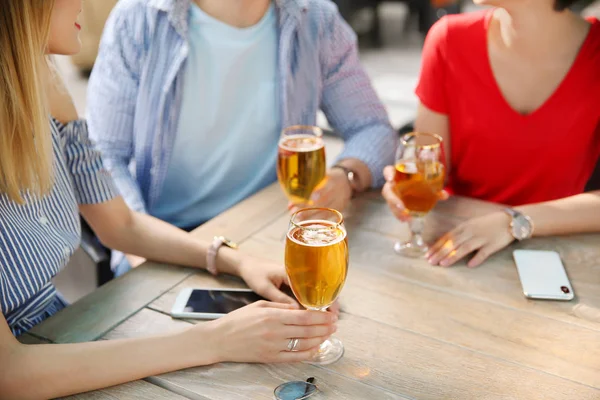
(417,224)
(415,247)
(330,351)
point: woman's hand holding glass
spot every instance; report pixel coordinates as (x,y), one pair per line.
(393,201)
(316,261)
(483,235)
(262,331)
(415,187)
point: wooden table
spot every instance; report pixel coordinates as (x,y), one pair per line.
(411,331)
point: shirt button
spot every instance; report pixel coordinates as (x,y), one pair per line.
(43,220)
(67,251)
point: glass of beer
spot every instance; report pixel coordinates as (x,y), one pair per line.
(418,182)
(301,163)
(316,261)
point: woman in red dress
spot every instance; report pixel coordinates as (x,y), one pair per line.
(514,91)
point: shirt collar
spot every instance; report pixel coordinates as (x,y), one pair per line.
(177,11)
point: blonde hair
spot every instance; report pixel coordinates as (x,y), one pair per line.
(25,139)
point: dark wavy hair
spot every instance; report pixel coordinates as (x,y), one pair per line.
(561,5)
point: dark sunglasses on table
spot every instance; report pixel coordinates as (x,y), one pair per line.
(296,390)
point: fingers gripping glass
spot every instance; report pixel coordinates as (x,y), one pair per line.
(296,390)
(316,262)
(418,181)
(301,162)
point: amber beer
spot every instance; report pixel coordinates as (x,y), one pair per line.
(316,261)
(418,184)
(300,166)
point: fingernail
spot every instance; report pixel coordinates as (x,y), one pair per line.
(335,318)
(399,206)
(444,263)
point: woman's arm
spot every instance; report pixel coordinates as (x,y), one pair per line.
(47,371)
(575,214)
(120,228)
(259,332)
(490,233)
(427,121)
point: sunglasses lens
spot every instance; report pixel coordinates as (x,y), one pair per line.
(296,390)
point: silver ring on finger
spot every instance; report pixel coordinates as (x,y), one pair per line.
(293,343)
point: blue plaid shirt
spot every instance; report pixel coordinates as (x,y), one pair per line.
(136,87)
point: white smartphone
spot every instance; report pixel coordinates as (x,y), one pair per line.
(543,275)
(204,303)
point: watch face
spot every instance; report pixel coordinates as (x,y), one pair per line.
(521,228)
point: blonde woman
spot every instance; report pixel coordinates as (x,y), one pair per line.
(49,173)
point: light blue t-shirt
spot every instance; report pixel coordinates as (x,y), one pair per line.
(226,145)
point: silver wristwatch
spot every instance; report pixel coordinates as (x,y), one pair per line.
(521,226)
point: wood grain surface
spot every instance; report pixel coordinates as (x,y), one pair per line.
(411,331)
(138,390)
(91,317)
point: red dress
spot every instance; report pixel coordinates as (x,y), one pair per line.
(498,154)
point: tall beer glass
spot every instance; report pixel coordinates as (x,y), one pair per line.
(316,261)
(418,181)
(301,162)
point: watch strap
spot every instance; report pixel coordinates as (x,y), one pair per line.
(213,249)
(511,212)
(352,178)
(211,255)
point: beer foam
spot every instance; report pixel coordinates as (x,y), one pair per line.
(317,238)
(301,143)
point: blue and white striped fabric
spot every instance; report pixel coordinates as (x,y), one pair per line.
(136,87)
(37,238)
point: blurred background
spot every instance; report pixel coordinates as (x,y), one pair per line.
(391,35)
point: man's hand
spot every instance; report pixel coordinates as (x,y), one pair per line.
(335,192)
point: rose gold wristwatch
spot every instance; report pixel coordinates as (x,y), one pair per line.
(211,254)
(521,226)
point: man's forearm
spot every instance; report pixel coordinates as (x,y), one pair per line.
(575,214)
